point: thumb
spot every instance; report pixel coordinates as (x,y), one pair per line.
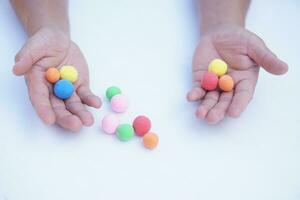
(260,53)
(30,53)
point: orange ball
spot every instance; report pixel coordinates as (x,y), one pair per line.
(150,140)
(52,75)
(226,83)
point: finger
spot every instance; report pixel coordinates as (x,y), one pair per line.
(210,100)
(87,97)
(242,95)
(202,56)
(39,97)
(259,52)
(64,118)
(217,113)
(29,54)
(195,94)
(75,106)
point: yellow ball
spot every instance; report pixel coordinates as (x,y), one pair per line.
(69,73)
(218,66)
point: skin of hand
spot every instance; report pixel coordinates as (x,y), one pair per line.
(50,47)
(244,52)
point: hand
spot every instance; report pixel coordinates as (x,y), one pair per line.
(244,52)
(51,48)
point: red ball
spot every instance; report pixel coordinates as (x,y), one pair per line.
(141,125)
(209,81)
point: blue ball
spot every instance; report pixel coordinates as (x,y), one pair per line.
(63,89)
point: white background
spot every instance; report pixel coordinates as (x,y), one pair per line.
(146,47)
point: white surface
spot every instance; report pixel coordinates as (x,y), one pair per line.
(148,46)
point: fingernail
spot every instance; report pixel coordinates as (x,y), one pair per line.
(192,96)
(234,113)
(200,113)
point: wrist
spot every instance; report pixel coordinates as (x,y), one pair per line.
(210,22)
(62,30)
(216,13)
(216,26)
(36,14)
(53,34)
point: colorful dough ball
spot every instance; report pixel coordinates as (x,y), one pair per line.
(52,75)
(119,103)
(141,125)
(218,66)
(125,132)
(63,89)
(226,83)
(110,123)
(150,140)
(69,73)
(112,91)
(209,81)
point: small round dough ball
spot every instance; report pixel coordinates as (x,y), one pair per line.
(52,75)
(209,81)
(226,83)
(112,91)
(218,66)
(63,89)
(119,103)
(69,73)
(125,132)
(110,123)
(141,125)
(150,140)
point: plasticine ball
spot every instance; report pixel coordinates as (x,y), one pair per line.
(112,91)
(226,83)
(209,81)
(150,140)
(217,66)
(125,132)
(63,89)
(141,125)
(110,123)
(52,75)
(69,73)
(119,103)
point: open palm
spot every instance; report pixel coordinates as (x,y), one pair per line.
(244,52)
(49,48)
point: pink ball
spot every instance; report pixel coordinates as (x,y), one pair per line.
(119,103)
(209,81)
(110,123)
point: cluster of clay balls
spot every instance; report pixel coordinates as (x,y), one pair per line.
(216,77)
(63,89)
(63,80)
(141,125)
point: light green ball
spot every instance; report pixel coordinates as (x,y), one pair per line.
(125,132)
(112,91)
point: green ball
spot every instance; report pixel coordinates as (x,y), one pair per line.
(112,91)
(125,132)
